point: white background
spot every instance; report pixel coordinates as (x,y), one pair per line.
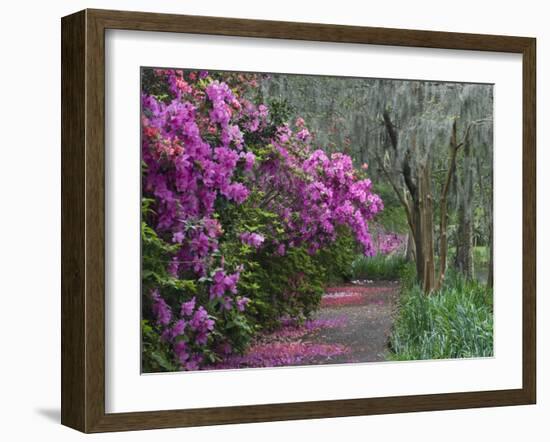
(30,221)
(128,391)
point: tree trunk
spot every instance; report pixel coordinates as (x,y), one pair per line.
(419,210)
(487,201)
(418,241)
(410,254)
(464,253)
(453,146)
(427,228)
(423,232)
(490,269)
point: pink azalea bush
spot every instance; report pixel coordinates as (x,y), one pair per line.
(225,192)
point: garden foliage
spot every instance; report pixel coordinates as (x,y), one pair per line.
(244,219)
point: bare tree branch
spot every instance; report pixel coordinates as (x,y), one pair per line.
(395,188)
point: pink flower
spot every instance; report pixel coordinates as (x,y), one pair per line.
(188,307)
(178,237)
(180,349)
(263,111)
(249,159)
(161,309)
(252,239)
(227,303)
(242,303)
(236,192)
(303,135)
(179,328)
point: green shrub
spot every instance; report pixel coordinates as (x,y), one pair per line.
(277,286)
(232,327)
(290,285)
(379,267)
(156,354)
(455,322)
(337,258)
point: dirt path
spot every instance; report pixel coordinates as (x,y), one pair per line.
(367,312)
(352,325)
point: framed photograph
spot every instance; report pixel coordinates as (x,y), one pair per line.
(267,221)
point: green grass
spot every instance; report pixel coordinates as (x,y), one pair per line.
(456,322)
(378,267)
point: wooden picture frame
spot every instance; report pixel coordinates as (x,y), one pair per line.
(83,220)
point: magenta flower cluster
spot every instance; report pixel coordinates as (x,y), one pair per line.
(314,193)
(187,332)
(252,239)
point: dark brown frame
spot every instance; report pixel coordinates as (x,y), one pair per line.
(83,216)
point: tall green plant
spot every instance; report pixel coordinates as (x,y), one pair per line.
(379,267)
(454,322)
